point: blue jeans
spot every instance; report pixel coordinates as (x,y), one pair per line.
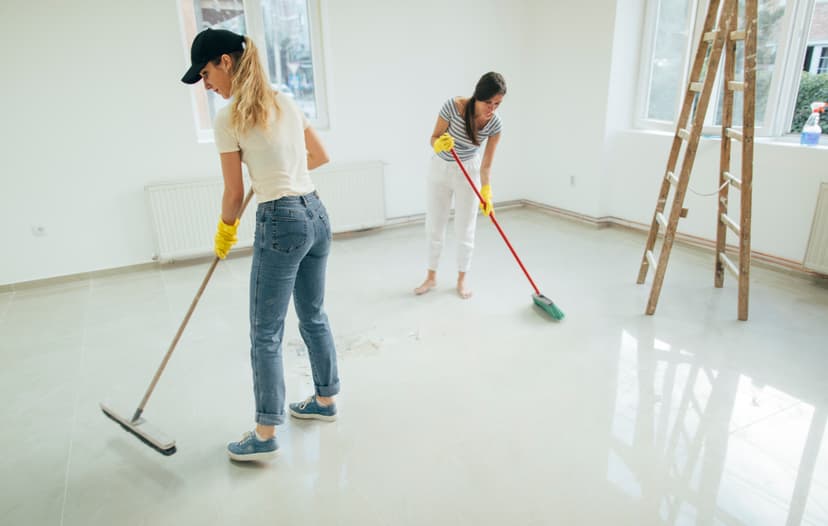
(290,253)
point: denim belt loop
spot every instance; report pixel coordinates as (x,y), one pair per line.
(304,200)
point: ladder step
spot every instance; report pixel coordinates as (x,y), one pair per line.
(736,86)
(661,219)
(736,135)
(731,224)
(684,133)
(710,36)
(650,258)
(735,181)
(737,35)
(696,86)
(728,264)
(672,178)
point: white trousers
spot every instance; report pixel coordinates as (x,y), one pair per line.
(445,180)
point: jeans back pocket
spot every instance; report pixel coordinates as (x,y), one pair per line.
(289,229)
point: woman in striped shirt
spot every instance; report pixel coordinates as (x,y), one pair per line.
(465,124)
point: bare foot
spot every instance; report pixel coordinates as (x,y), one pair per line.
(427,285)
(463,291)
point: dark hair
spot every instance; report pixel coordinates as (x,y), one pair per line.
(488,86)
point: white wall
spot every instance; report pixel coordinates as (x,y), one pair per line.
(786,180)
(571,48)
(586,61)
(95,111)
(393,64)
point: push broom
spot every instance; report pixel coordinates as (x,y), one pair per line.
(540,300)
(137,425)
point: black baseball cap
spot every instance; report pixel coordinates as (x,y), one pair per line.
(209,45)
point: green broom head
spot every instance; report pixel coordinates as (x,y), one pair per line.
(548,306)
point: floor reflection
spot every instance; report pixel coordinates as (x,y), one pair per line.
(700,442)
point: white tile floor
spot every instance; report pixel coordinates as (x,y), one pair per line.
(452,412)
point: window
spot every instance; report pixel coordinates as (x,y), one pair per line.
(668,58)
(813,82)
(287,33)
(788,32)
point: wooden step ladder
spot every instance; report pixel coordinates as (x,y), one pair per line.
(720,36)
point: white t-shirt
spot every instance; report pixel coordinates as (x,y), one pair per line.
(276,158)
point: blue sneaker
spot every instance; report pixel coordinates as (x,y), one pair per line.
(251,448)
(310,409)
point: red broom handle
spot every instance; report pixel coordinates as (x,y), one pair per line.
(496,224)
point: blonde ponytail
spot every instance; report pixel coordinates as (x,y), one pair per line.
(254,98)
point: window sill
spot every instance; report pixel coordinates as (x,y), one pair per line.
(792,139)
(205,136)
(788,140)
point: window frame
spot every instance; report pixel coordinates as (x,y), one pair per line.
(781,102)
(645,68)
(254,22)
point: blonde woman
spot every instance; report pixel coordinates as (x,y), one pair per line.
(270,134)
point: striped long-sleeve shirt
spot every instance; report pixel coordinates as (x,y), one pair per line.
(463,145)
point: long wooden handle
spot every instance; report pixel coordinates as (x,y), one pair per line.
(183,325)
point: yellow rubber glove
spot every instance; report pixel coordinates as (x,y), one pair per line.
(225,237)
(486,193)
(443,143)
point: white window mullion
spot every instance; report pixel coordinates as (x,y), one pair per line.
(785,87)
(645,67)
(255,27)
(695,25)
(318,34)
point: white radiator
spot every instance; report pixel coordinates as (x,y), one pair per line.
(184,214)
(816,256)
(353,193)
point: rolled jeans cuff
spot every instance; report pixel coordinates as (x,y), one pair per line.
(270,419)
(327,390)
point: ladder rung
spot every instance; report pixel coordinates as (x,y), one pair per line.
(736,86)
(731,224)
(684,133)
(737,35)
(710,36)
(650,258)
(661,219)
(735,181)
(734,134)
(728,264)
(696,86)
(672,178)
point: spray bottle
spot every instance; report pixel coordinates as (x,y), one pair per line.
(812,130)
